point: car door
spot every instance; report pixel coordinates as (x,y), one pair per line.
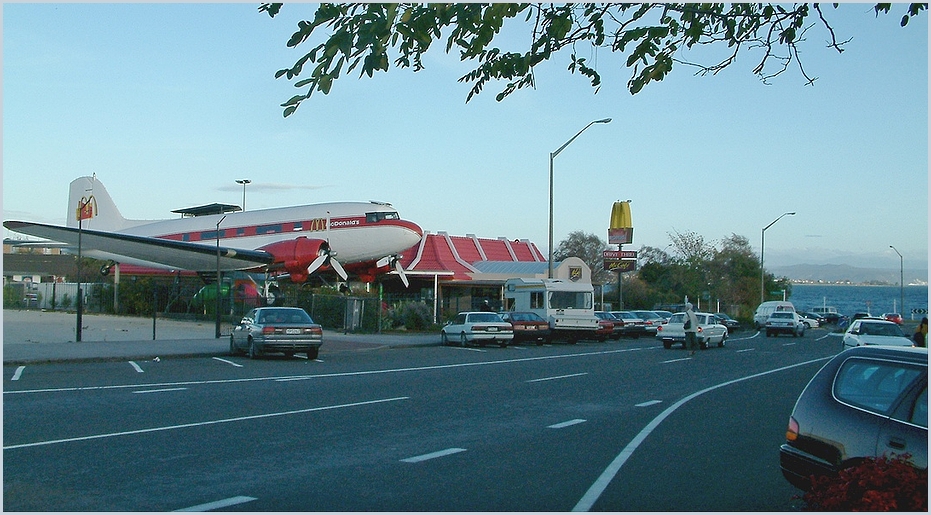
(906,431)
(240,333)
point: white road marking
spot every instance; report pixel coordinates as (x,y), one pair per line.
(137,367)
(18,373)
(647,403)
(595,491)
(789,344)
(432,455)
(200,424)
(745,350)
(556,377)
(674,360)
(566,423)
(228,362)
(471,349)
(160,390)
(224,503)
(323,376)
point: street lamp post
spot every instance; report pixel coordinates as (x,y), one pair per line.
(762,244)
(553,156)
(901,280)
(217,298)
(243,182)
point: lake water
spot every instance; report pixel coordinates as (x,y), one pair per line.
(851,299)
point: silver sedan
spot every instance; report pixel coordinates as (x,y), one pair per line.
(284,330)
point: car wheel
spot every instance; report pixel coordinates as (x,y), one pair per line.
(667,344)
(723,338)
(444,339)
(463,341)
(503,343)
(313,352)
(253,352)
(703,345)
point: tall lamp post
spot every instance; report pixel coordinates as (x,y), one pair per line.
(553,156)
(901,280)
(217,298)
(243,182)
(762,244)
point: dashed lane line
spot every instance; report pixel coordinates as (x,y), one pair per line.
(433,455)
(201,424)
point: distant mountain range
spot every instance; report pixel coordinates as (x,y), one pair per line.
(848,274)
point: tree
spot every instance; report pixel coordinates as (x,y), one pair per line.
(588,248)
(653,37)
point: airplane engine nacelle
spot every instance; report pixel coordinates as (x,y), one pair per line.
(296,255)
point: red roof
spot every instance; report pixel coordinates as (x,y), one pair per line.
(439,253)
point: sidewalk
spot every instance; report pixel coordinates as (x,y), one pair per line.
(32,336)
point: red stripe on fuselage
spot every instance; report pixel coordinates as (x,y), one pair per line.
(313,225)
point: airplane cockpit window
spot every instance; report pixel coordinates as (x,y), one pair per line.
(378,216)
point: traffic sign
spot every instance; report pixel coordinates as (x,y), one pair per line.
(619,254)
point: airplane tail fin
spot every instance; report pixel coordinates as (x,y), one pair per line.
(89,202)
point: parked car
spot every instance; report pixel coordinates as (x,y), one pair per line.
(873,331)
(528,327)
(815,316)
(276,329)
(610,326)
(788,322)
(861,314)
(768,308)
(894,317)
(829,313)
(665,314)
(710,332)
(808,321)
(865,402)
(477,327)
(728,322)
(633,325)
(651,320)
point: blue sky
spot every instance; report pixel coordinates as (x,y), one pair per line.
(169,104)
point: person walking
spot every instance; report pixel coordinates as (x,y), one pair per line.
(691,329)
(921,333)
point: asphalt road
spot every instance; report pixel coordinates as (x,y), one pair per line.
(615,426)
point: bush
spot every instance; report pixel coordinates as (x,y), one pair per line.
(876,484)
(415,316)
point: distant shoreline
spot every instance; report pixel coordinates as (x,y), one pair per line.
(851,283)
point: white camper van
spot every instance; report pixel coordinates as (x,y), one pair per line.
(767,308)
(568,306)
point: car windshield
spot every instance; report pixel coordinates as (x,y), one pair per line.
(880,329)
(284,316)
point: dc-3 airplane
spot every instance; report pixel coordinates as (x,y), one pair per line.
(297,241)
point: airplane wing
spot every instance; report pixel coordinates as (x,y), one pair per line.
(169,253)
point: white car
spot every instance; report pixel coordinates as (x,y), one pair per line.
(871,331)
(808,321)
(784,322)
(477,327)
(710,332)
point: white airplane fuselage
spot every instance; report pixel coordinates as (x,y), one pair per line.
(358,231)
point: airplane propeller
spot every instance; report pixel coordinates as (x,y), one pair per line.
(328,257)
(400,269)
(395,262)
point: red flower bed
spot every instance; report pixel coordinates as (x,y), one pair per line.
(876,484)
